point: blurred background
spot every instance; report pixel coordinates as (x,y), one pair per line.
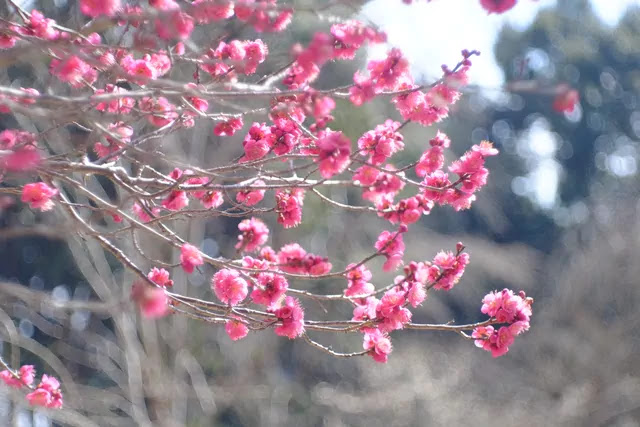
(558,219)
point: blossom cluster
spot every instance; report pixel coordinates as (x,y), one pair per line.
(131,88)
(504,307)
(47,393)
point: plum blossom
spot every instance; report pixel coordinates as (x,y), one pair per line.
(153,301)
(95,8)
(292,258)
(566,100)
(190,257)
(39,195)
(433,158)
(334,151)
(236,329)
(228,127)
(391,245)
(271,289)
(497,6)
(160,276)
(447,269)
(24,378)
(289,207)
(254,234)
(251,197)
(291,315)
(47,393)
(358,281)
(229,287)
(378,344)
(382,142)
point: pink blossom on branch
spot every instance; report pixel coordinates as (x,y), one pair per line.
(391,245)
(152,301)
(254,234)
(291,315)
(47,393)
(497,6)
(95,8)
(236,329)
(24,378)
(39,195)
(229,286)
(334,151)
(378,344)
(190,257)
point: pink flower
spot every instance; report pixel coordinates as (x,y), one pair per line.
(174,25)
(212,199)
(206,11)
(365,309)
(175,201)
(25,377)
(294,259)
(378,344)
(382,142)
(292,317)
(447,269)
(190,257)
(254,234)
(229,287)
(95,8)
(350,35)
(257,143)
(142,214)
(47,393)
(272,288)
(362,90)
(386,184)
(497,342)
(497,6)
(390,72)
(566,100)
(20,159)
(289,207)
(433,158)
(120,105)
(139,70)
(391,310)
(161,111)
(285,136)
(358,281)
(7,41)
(251,197)
(236,329)
(153,302)
(41,27)
(228,127)
(39,195)
(507,307)
(74,71)
(160,276)
(391,245)
(334,151)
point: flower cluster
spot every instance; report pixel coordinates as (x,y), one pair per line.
(19,152)
(47,393)
(342,43)
(254,234)
(504,307)
(133,89)
(292,258)
(38,195)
